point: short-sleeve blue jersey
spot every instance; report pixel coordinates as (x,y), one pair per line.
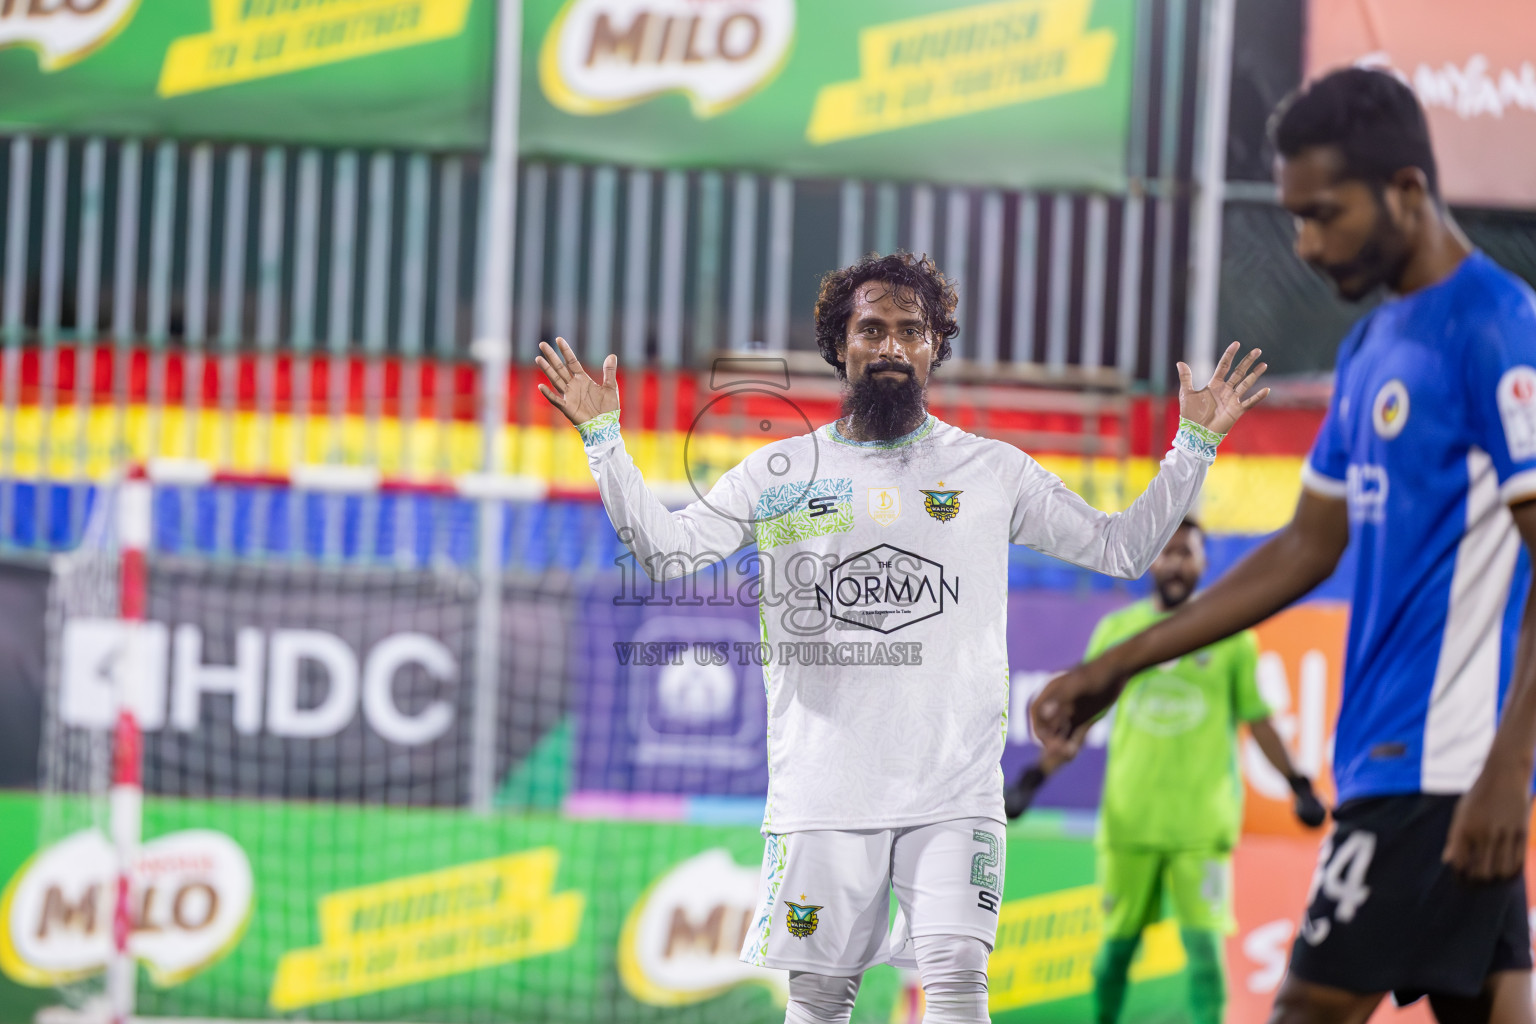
(1430,437)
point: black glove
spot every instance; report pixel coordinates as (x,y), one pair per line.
(1018,797)
(1309,809)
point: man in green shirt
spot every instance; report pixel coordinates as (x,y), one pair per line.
(1173,799)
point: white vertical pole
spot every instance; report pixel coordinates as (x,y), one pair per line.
(12,306)
(637,270)
(707,262)
(1094,272)
(568,257)
(493,348)
(445,327)
(339,339)
(1132,213)
(957,250)
(88,292)
(1129,338)
(56,181)
(1168,160)
(596,342)
(377,299)
(231,327)
(1210,182)
(530,308)
(674,226)
(1025,270)
(989,304)
(886,206)
(850,225)
(920,233)
(125,277)
(413,308)
(743,263)
(195,311)
(269,297)
(781,235)
(1059,295)
(303,330)
(127,794)
(339,313)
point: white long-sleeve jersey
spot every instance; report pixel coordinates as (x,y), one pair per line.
(884,601)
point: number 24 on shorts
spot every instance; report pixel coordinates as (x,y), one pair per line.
(1340,877)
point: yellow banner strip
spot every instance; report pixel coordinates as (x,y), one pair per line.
(1243,493)
(414,929)
(946,65)
(1046,945)
(253,39)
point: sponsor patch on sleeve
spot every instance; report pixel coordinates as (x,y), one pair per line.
(1517,411)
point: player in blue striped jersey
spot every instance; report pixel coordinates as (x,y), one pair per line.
(1427,461)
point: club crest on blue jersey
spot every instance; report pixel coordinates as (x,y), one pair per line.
(1389,413)
(942,505)
(801,920)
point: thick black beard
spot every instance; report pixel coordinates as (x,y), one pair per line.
(1169,605)
(883,409)
(1380,263)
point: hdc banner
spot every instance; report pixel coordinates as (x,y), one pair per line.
(339,72)
(1016,93)
(306,682)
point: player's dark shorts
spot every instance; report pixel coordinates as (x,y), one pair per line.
(1386,915)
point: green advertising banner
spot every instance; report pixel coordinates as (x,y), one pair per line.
(1022,93)
(411,73)
(264,910)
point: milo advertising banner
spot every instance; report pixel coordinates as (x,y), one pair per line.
(263,910)
(1010,92)
(339,72)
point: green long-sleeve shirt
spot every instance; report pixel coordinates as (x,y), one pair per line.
(1172,780)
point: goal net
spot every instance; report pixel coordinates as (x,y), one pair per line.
(310,844)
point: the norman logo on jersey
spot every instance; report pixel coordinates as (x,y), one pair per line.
(942,505)
(886,588)
(1389,413)
(801,920)
(884,504)
(821,506)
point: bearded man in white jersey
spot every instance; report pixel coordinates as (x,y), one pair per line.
(884,583)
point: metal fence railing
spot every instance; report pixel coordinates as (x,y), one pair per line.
(263,306)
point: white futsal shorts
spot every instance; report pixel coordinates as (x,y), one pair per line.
(825,896)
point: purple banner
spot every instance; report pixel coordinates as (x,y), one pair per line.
(1048,631)
(668,695)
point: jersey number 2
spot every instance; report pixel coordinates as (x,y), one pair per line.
(987,881)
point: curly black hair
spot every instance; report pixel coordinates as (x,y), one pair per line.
(918,284)
(1372,119)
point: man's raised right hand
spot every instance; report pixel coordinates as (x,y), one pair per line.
(574,391)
